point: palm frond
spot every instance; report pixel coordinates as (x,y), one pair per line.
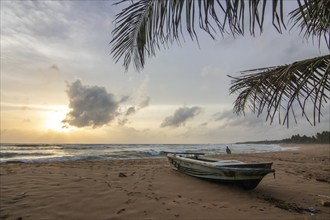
(284,88)
(313,19)
(146,24)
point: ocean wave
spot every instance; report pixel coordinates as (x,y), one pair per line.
(64,152)
(12,154)
(22,147)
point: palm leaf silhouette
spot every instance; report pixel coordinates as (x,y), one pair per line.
(275,89)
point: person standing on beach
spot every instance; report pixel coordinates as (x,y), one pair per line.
(228,151)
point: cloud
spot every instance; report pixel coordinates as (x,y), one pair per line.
(124,99)
(229,118)
(90,106)
(144,102)
(136,101)
(180,116)
(54,67)
(140,97)
(204,124)
(222,115)
(93,106)
(251,120)
(130,110)
(122,122)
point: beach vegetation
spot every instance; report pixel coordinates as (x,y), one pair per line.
(145,26)
(319,138)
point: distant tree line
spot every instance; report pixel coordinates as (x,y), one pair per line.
(319,138)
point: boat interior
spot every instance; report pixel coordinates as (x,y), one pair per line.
(214,160)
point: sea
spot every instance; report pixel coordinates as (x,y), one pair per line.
(33,153)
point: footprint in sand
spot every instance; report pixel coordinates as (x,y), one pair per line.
(121,210)
(128,201)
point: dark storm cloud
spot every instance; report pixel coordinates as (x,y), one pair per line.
(90,105)
(180,116)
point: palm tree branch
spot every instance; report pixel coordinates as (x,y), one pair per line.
(144,24)
(313,19)
(278,88)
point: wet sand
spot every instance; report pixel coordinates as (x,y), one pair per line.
(149,189)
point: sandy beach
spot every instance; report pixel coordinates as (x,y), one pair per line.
(149,189)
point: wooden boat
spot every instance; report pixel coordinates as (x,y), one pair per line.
(247,175)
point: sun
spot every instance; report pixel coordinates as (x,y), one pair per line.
(54,121)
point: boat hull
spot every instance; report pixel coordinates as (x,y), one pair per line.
(248,175)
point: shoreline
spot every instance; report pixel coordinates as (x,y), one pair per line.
(60,155)
(150,189)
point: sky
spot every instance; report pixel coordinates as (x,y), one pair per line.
(60,84)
